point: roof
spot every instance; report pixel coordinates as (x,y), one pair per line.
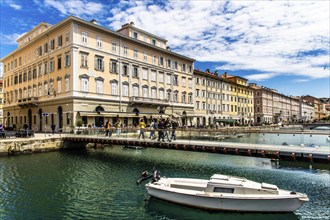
(76,19)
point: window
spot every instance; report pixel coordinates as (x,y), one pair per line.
(114,88)
(125,50)
(99,86)
(154,60)
(84,37)
(45,68)
(169,63)
(175,65)
(184,97)
(168,79)
(99,63)
(161,61)
(135,53)
(125,70)
(51,65)
(190,98)
(203,94)
(175,80)
(45,88)
(59,86)
(153,76)
(84,84)
(144,74)
(113,67)
(135,72)
(145,56)
(67,84)
(52,44)
(161,94)
(161,77)
(114,47)
(203,106)
(67,60)
(125,89)
(145,92)
(40,90)
(59,41)
(197,81)
(135,35)
(223,190)
(183,67)
(190,82)
(99,42)
(45,47)
(67,38)
(183,81)
(197,92)
(154,42)
(84,60)
(135,91)
(197,105)
(59,63)
(153,93)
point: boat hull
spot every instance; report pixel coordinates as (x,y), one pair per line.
(223,203)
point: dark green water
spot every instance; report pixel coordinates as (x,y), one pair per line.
(100,184)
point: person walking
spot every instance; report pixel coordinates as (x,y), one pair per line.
(153,127)
(167,126)
(118,127)
(142,127)
(174,125)
(161,127)
(108,127)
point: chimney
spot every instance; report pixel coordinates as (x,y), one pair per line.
(225,75)
(132,23)
(93,21)
(168,48)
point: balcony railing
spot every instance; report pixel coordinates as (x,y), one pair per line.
(151,101)
(28,102)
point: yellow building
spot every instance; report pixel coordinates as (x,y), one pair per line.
(79,70)
(1,100)
(241,100)
(212,98)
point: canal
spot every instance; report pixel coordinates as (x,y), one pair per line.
(100,184)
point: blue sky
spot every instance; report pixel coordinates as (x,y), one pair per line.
(284,45)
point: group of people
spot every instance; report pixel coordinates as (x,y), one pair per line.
(166,129)
(109,129)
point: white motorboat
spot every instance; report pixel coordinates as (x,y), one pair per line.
(225,193)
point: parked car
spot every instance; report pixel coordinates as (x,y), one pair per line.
(24,133)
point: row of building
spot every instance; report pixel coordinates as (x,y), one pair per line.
(80,71)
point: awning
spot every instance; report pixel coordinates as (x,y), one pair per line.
(226,121)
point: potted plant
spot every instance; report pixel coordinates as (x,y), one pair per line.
(79,123)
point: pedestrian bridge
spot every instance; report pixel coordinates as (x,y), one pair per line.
(275,152)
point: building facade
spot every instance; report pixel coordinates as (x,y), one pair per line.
(212,98)
(1,100)
(319,106)
(241,99)
(80,71)
(270,106)
(307,111)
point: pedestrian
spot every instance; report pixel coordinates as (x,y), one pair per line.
(167,126)
(108,127)
(53,126)
(174,125)
(153,127)
(142,126)
(118,127)
(160,130)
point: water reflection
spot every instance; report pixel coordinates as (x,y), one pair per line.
(166,210)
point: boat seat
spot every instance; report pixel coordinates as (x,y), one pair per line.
(269,186)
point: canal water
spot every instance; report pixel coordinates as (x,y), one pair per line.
(100,184)
(308,140)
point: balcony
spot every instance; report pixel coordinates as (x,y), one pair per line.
(28,102)
(148,101)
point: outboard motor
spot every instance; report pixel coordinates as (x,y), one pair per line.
(156,176)
(144,176)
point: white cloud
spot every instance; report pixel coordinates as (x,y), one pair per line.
(271,37)
(1,69)
(12,4)
(79,8)
(261,76)
(9,39)
(15,6)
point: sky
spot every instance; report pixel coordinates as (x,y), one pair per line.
(283,45)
